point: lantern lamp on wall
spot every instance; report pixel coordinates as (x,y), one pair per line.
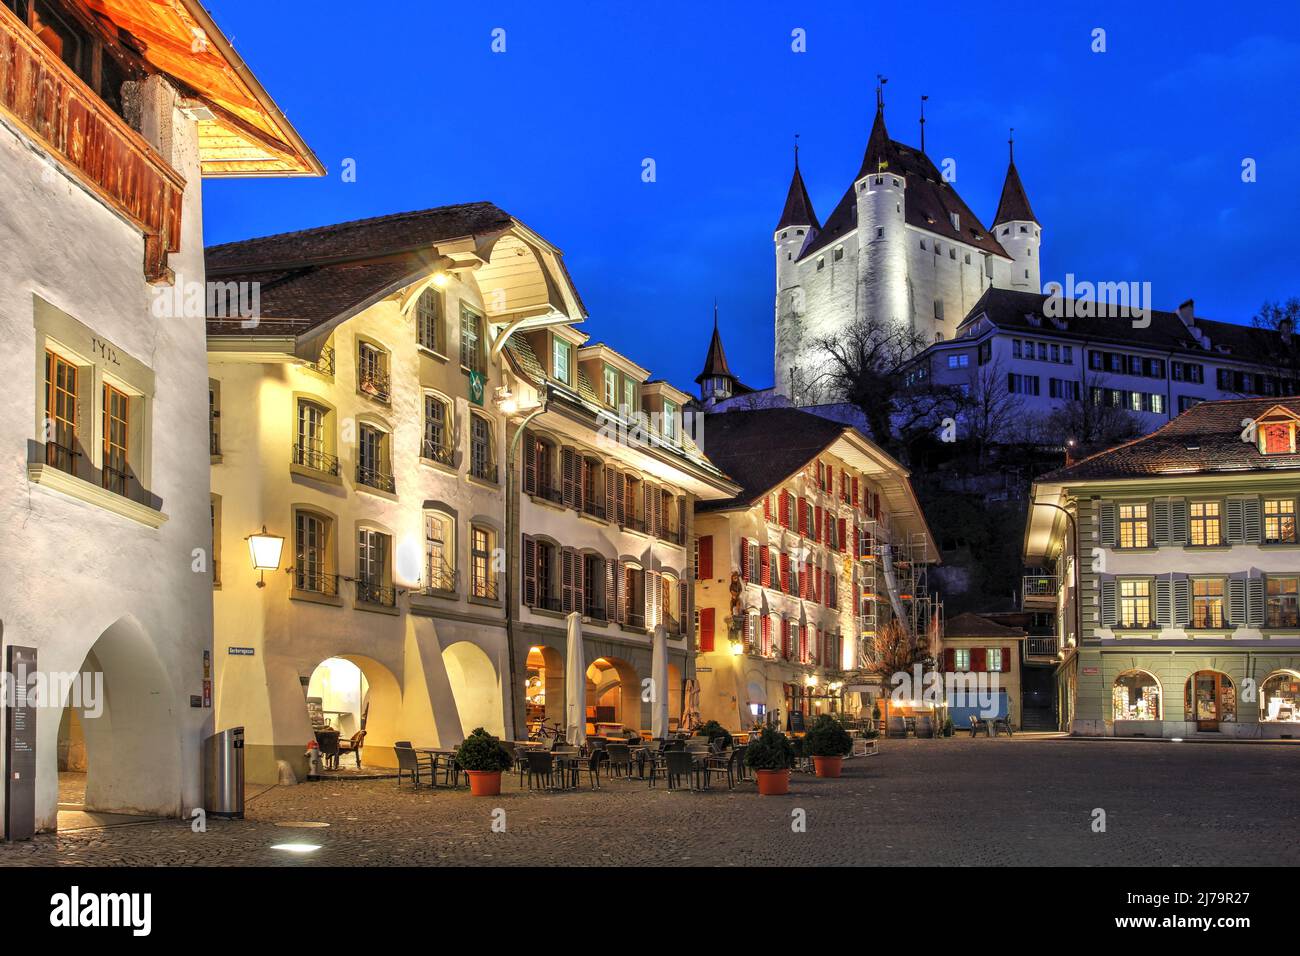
(265,550)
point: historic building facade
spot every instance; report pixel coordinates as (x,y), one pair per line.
(106,513)
(1184,620)
(824,544)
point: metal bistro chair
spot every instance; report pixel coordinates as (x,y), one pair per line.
(1002,724)
(678,764)
(722,764)
(620,760)
(590,763)
(541,766)
(977,724)
(413,763)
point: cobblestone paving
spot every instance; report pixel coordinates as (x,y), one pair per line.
(953,802)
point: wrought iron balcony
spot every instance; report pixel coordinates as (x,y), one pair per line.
(376,479)
(316,582)
(484,587)
(549,493)
(594,611)
(373,382)
(377,594)
(325,364)
(440,578)
(315,459)
(1041,646)
(635,619)
(594,509)
(440,452)
(484,471)
(1039,591)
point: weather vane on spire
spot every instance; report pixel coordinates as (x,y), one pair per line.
(796,150)
(923,99)
(881,80)
(1011,144)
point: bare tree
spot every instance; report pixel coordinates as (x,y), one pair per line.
(1280,352)
(866,365)
(1090,419)
(990,410)
(894,650)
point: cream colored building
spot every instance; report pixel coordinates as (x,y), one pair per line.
(824,544)
(104,504)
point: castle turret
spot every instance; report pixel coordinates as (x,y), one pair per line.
(797,226)
(882,240)
(1018,231)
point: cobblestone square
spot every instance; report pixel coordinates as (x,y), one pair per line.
(948,802)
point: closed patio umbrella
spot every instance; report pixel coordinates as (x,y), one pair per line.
(575,685)
(659,675)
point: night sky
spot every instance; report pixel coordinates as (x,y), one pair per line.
(1132,158)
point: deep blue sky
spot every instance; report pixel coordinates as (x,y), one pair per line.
(1131,158)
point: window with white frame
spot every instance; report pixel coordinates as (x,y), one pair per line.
(1135,603)
(1134,526)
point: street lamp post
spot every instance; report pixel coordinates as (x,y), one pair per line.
(509,406)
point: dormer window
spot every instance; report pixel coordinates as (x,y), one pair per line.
(561,360)
(1276,438)
(956,220)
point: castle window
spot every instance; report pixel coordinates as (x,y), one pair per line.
(880,233)
(838,254)
(798,232)
(952,253)
(922,244)
(1024,228)
(938,309)
(1029,251)
(784,234)
(967,258)
(1006,231)
(821,263)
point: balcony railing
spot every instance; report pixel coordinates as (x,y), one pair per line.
(593,509)
(325,364)
(375,478)
(116,481)
(635,619)
(440,578)
(484,471)
(595,612)
(484,587)
(316,582)
(374,383)
(1040,646)
(56,108)
(549,493)
(440,452)
(544,603)
(61,457)
(315,460)
(377,594)
(1039,591)
(633,523)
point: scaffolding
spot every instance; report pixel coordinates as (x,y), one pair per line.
(893,581)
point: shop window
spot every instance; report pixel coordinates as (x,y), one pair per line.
(1280,697)
(1136,696)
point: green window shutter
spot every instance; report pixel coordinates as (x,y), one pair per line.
(1237,601)
(1236,529)
(1108,609)
(1255,602)
(1106,515)
(1164,602)
(1182,602)
(1254,530)
(1160,520)
(1178,521)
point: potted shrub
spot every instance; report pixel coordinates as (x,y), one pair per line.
(947,726)
(770,757)
(712,729)
(480,755)
(828,743)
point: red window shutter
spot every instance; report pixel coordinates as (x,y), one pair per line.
(1006,660)
(784,504)
(843,540)
(803,517)
(978,659)
(830,478)
(706,557)
(706,628)
(857,600)
(949,660)
(767,633)
(855,491)
(767,507)
(744,559)
(765,567)
(803,581)
(785,638)
(803,643)
(784,584)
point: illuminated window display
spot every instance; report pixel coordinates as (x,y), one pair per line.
(1136,697)
(1280,698)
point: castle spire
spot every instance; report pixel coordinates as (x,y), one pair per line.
(715,363)
(798,209)
(1014,204)
(880,148)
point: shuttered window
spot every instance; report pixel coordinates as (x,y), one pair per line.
(706,629)
(704,552)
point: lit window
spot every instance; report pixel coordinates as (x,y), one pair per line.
(611,386)
(993,659)
(312,554)
(428,321)
(562,353)
(480,449)
(482,580)
(1283,606)
(1207,602)
(961,659)
(471,339)
(1206,527)
(1136,696)
(61,413)
(437,430)
(439,551)
(1279,521)
(1276,439)
(115,474)
(1135,603)
(1134,530)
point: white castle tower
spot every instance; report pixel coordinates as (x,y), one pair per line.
(900,248)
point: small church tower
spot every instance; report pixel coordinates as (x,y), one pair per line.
(797,226)
(1016,228)
(882,240)
(716,381)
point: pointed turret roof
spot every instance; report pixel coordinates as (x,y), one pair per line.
(880,152)
(1014,204)
(715,363)
(798,207)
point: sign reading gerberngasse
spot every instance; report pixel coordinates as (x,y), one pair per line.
(20,747)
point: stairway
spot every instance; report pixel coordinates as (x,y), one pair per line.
(1037,719)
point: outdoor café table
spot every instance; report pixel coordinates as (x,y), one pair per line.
(566,762)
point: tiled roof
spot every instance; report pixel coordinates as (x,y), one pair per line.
(976,625)
(1014,204)
(1012,311)
(928,199)
(1205,439)
(760,449)
(308,277)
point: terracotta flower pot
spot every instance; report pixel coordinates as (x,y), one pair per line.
(773,783)
(828,766)
(484,783)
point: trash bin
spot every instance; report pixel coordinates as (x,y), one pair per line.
(223,773)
